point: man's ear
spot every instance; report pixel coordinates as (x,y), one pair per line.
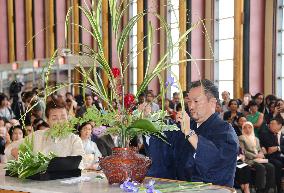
(213,101)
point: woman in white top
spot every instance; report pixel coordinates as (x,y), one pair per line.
(91,148)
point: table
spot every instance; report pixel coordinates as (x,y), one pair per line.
(94,185)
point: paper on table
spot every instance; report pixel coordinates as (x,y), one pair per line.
(242,165)
(76,180)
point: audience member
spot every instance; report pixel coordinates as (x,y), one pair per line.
(88,104)
(259,99)
(70,145)
(232,115)
(225,100)
(243,174)
(255,117)
(239,125)
(90,148)
(150,101)
(17,133)
(175,101)
(5,110)
(254,156)
(273,141)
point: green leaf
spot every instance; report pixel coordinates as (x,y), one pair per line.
(125,33)
(145,126)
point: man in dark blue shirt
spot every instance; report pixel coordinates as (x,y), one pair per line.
(207,150)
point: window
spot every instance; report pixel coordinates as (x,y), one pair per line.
(280,50)
(224,45)
(133,51)
(173,21)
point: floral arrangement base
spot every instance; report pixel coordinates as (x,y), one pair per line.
(123,164)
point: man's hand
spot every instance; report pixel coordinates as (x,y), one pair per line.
(272,149)
(184,120)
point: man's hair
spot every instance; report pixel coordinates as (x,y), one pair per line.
(278,119)
(175,94)
(88,95)
(184,93)
(26,95)
(68,93)
(54,104)
(210,89)
(150,92)
(43,124)
(142,94)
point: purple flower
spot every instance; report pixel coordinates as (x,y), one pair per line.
(170,82)
(128,186)
(150,187)
(99,131)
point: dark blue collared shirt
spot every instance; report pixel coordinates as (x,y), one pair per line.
(214,160)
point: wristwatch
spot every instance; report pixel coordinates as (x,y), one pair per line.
(191,133)
(278,148)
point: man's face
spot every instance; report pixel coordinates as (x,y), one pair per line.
(274,126)
(141,99)
(56,116)
(200,106)
(149,98)
(69,96)
(218,108)
(185,99)
(225,95)
(176,99)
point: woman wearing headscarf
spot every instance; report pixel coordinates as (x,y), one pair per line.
(254,156)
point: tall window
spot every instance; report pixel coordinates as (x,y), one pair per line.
(133,51)
(280,50)
(173,21)
(224,45)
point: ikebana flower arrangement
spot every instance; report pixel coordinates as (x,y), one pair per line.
(123,120)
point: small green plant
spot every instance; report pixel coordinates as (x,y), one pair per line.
(28,162)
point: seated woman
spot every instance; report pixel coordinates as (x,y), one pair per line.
(279,108)
(70,145)
(17,133)
(232,115)
(264,178)
(91,148)
(255,117)
(238,127)
(243,174)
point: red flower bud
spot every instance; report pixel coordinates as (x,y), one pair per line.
(115,72)
(129,101)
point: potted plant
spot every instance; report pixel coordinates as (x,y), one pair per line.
(121,121)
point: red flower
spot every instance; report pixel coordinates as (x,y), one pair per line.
(129,101)
(115,72)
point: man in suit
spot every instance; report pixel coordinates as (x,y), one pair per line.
(273,141)
(208,146)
